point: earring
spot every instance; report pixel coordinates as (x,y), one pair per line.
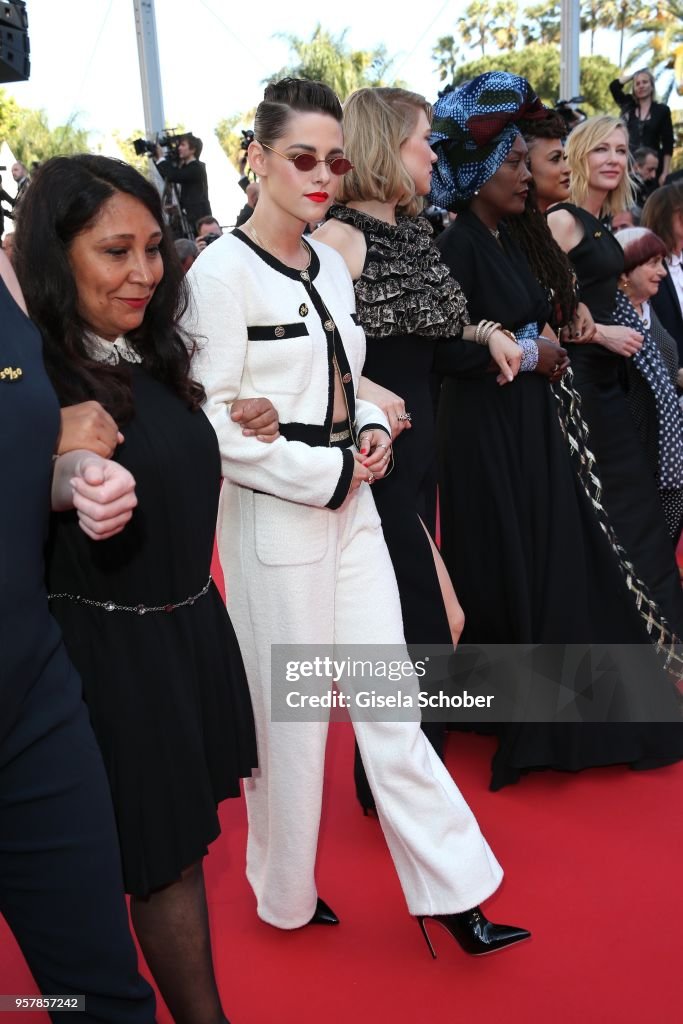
(476,191)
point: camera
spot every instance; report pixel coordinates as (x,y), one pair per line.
(167,140)
(209,238)
(571,115)
(247,139)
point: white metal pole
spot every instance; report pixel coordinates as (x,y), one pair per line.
(570,78)
(150,70)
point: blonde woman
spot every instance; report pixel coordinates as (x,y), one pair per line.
(648,122)
(409,305)
(597,151)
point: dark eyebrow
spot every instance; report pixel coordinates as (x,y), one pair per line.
(311,149)
(126,238)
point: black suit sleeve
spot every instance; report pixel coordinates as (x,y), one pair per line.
(621,98)
(183,174)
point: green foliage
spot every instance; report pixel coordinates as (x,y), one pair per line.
(542,23)
(33,139)
(540,64)
(504,27)
(327,58)
(229,134)
(10,113)
(475,25)
(445,55)
(677,159)
(125,144)
(658,30)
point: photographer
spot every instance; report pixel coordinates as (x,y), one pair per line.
(208,230)
(189,173)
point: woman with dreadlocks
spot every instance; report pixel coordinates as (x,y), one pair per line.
(532,557)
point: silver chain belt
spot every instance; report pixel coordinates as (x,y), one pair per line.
(138,609)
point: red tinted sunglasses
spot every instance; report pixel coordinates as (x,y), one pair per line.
(306,161)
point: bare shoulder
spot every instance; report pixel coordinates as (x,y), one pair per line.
(566,229)
(347,240)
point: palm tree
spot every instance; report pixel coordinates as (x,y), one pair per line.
(505,28)
(327,58)
(661,43)
(445,54)
(543,24)
(475,24)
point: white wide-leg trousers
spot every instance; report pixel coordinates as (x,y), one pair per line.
(302,575)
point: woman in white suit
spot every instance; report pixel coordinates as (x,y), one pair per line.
(300,538)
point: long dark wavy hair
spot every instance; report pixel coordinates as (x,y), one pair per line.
(550,265)
(65,198)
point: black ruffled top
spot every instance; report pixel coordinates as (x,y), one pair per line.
(404,288)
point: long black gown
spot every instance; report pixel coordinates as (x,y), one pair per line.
(166,691)
(528,558)
(630,493)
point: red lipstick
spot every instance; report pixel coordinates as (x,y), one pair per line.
(136,303)
(318,197)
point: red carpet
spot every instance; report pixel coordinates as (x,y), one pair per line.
(593,868)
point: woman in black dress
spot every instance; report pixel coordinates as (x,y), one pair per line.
(598,154)
(648,122)
(408,305)
(142,620)
(61,890)
(528,556)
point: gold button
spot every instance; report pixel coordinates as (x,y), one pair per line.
(346,379)
(303,309)
(329,325)
(279,332)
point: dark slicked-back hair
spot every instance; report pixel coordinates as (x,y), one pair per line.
(66,197)
(292,95)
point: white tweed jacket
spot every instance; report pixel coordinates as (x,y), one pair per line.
(266,329)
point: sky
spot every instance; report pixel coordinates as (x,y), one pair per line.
(214,54)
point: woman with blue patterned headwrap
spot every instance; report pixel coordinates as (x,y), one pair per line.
(530,560)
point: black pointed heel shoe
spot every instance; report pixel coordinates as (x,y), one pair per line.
(323,914)
(473,932)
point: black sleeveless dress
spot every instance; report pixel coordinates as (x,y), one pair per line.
(630,493)
(392,304)
(166,690)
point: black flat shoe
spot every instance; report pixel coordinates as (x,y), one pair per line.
(473,932)
(323,914)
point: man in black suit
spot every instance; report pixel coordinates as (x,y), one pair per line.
(20,175)
(190,174)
